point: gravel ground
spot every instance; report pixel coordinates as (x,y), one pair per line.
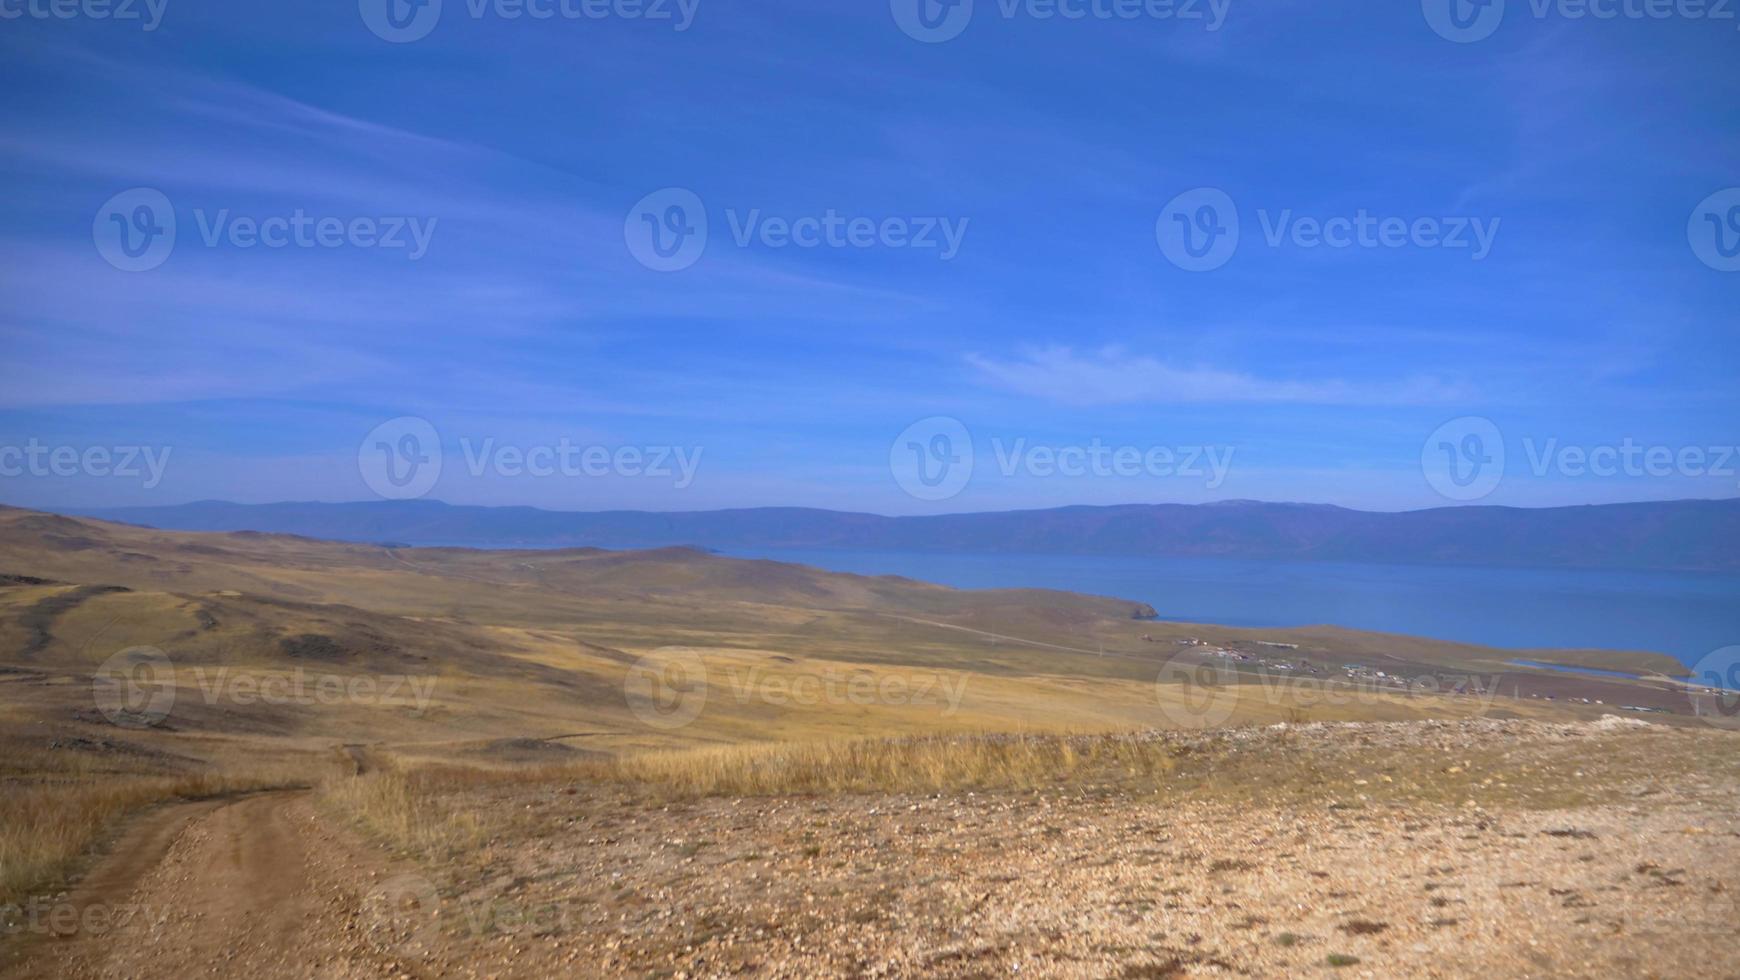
(1425,849)
(1641,884)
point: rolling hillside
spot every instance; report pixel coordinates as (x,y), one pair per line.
(253,726)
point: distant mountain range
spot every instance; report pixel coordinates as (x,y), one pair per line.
(1683,534)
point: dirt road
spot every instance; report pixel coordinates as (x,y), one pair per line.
(258,886)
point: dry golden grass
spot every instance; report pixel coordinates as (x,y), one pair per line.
(407,808)
(434,808)
(930,764)
(407,804)
(58,804)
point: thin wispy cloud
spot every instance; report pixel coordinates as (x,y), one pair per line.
(1114,376)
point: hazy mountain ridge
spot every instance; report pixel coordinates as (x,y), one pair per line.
(1685,534)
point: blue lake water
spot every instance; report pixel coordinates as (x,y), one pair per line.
(1684,614)
(1568,669)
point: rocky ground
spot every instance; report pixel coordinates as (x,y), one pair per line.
(1437,849)
(1625,864)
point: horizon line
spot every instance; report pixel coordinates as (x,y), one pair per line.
(95,511)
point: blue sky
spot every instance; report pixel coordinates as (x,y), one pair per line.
(1588,317)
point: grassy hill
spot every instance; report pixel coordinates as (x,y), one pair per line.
(541,643)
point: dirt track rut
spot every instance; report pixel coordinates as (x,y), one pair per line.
(258,886)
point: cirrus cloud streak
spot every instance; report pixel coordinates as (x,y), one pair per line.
(1113,376)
